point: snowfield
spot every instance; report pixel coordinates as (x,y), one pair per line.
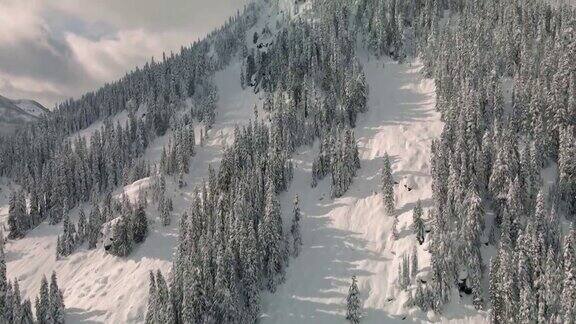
(342,237)
(352,235)
(347,236)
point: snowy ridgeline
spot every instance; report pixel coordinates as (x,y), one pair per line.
(175,207)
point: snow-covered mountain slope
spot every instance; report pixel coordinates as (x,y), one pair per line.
(32,107)
(102,288)
(343,237)
(17,112)
(352,235)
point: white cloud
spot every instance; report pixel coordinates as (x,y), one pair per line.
(108,58)
(19,21)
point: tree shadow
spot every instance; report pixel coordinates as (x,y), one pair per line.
(77,315)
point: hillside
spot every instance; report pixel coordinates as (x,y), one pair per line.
(14,113)
(419,150)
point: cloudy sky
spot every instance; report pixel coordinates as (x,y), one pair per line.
(51,50)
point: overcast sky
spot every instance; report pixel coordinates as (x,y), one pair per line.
(51,50)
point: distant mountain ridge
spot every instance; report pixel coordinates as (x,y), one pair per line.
(16,112)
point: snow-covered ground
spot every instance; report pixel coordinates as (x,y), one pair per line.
(30,106)
(352,235)
(342,237)
(99,287)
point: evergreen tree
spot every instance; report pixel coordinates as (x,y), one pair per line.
(414,259)
(17,215)
(353,303)
(9,300)
(16,302)
(43,303)
(94,225)
(3,279)
(295,229)
(121,237)
(26,316)
(270,233)
(418,223)
(387,185)
(81,231)
(151,312)
(395,234)
(139,224)
(165,209)
(56,303)
(164,311)
(568,301)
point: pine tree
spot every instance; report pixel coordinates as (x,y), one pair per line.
(495,293)
(295,229)
(43,303)
(251,273)
(270,233)
(56,303)
(16,215)
(353,303)
(9,300)
(568,301)
(139,224)
(414,259)
(3,279)
(81,231)
(418,223)
(387,185)
(26,316)
(16,302)
(121,237)
(165,209)
(94,225)
(164,311)
(395,234)
(151,312)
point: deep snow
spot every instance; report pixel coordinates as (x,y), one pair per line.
(352,235)
(342,237)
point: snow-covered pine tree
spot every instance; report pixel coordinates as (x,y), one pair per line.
(414,266)
(387,185)
(418,223)
(56,312)
(152,308)
(81,231)
(26,316)
(353,303)
(395,234)
(17,215)
(295,229)
(139,224)
(9,300)
(121,237)
(3,279)
(568,299)
(270,234)
(164,311)
(43,303)
(16,302)
(165,208)
(94,225)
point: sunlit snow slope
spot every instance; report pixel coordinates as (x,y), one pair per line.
(352,235)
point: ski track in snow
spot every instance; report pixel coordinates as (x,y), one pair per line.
(351,235)
(99,287)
